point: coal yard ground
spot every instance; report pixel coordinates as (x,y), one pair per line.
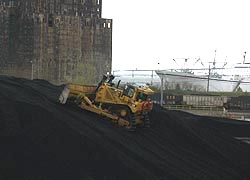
(44,140)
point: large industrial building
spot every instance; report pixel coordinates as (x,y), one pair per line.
(56,40)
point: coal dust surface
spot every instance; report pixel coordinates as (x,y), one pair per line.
(42,139)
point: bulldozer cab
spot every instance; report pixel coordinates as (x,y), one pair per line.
(129,91)
(136,92)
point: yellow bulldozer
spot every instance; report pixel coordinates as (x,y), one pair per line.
(128,106)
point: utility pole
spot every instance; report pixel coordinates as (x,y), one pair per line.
(152,77)
(161,90)
(208,78)
(32,70)
(244,56)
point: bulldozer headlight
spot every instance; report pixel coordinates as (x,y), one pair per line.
(133,105)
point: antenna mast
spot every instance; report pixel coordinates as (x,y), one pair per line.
(214,58)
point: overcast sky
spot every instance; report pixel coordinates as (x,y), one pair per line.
(149,34)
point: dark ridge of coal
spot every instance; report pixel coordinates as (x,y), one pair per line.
(42,139)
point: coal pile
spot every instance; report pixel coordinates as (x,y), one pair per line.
(42,139)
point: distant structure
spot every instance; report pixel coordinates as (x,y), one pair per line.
(56,40)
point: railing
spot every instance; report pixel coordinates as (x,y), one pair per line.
(213,111)
(244,116)
(189,107)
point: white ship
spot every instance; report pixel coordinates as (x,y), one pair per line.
(214,79)
(219,79)
(198,78)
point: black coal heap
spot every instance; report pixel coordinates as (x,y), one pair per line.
(42,139)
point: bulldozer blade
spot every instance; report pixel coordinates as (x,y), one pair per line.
(64,95)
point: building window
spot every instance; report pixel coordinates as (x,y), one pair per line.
(50,20)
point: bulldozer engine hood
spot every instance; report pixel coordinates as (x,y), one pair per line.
(146,90)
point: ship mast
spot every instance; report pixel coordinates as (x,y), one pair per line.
(209,71)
